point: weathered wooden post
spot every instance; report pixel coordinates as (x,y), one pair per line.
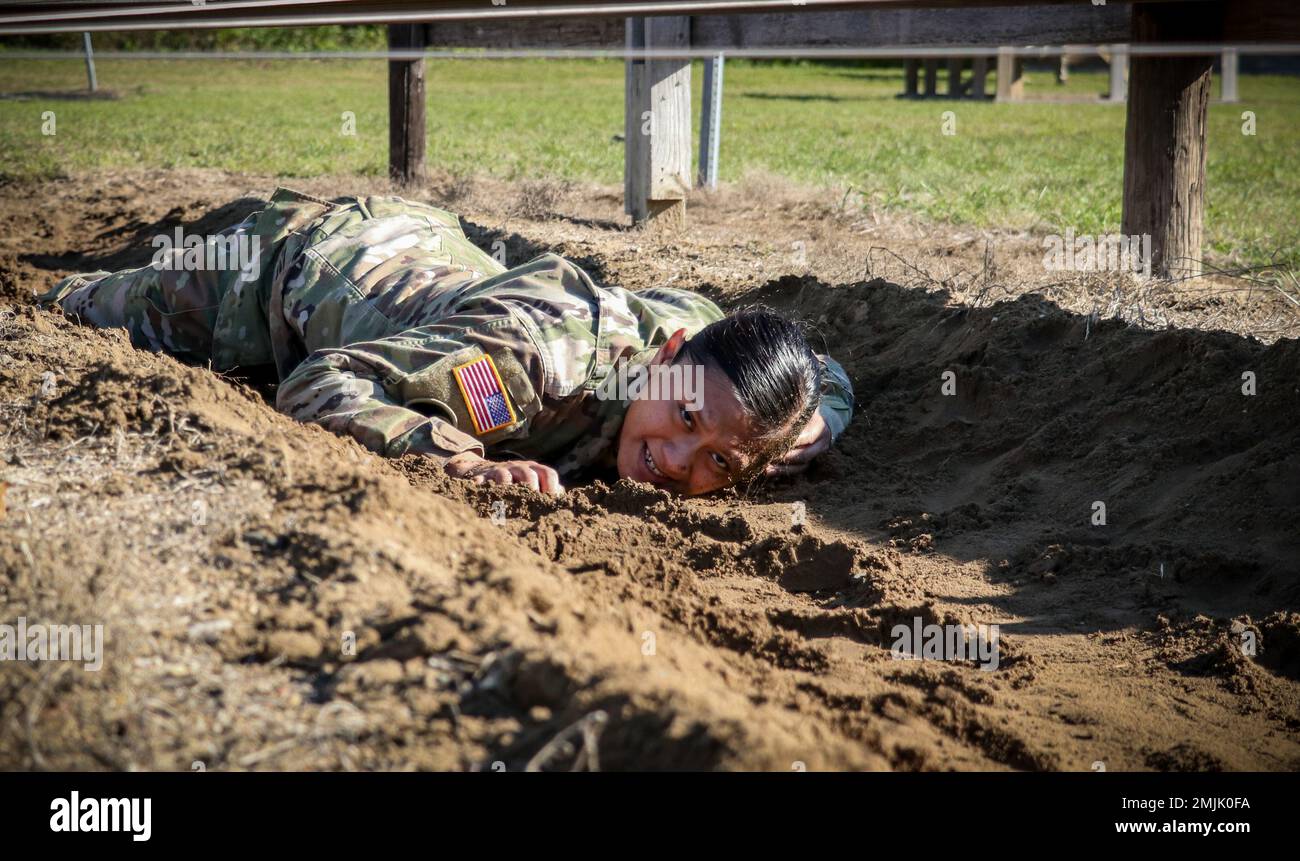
(406,107)
(911,69)
(1164,137)
(954,77)
(657,122)
(90,62)
(1011,76)
(1228,78)
(931,77)
(979,72)
(711,122)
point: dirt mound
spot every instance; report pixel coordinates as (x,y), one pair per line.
(276,597)
(1047,407)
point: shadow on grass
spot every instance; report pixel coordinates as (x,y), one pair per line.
(895,76)
(811,97)
(62,96)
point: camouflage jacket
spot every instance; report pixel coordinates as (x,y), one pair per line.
(368,306)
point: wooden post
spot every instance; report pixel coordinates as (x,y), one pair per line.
(1118,74)
(1011,77)
(931,78)
(711,122)
(911,69)
(1164,138)
(657,123)
(954,77)
(1228,79)
(406,107)
(979,72)
(90,62)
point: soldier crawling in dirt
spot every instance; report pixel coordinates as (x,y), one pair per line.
(386,323)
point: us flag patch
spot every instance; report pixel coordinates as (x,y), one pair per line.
(484,394)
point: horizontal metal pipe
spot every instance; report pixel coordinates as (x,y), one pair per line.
(208,17)
(153,10)
(916,52)
(469,9)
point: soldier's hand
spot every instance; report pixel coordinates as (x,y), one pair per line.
(528,473)
(815,439)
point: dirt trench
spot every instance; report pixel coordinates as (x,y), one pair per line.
(277,597)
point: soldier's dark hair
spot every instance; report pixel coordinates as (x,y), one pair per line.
(774,371)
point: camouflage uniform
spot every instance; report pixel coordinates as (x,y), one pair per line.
(366,305)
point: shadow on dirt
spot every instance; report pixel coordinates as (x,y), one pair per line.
(519,249)
(133,240)
(1117,471)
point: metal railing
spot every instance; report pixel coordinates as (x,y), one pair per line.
(30,18)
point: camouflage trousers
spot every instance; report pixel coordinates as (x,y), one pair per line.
(165,307)
(387,265)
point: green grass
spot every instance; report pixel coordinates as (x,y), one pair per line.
(1043,166)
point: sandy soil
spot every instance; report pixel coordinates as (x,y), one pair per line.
(234,556)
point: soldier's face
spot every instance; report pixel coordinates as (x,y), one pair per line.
(688,451)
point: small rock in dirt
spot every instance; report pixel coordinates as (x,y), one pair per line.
(47,387)
(209,631)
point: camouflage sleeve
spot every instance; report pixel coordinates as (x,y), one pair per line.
(837,397)
(398,395)
(670,309)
